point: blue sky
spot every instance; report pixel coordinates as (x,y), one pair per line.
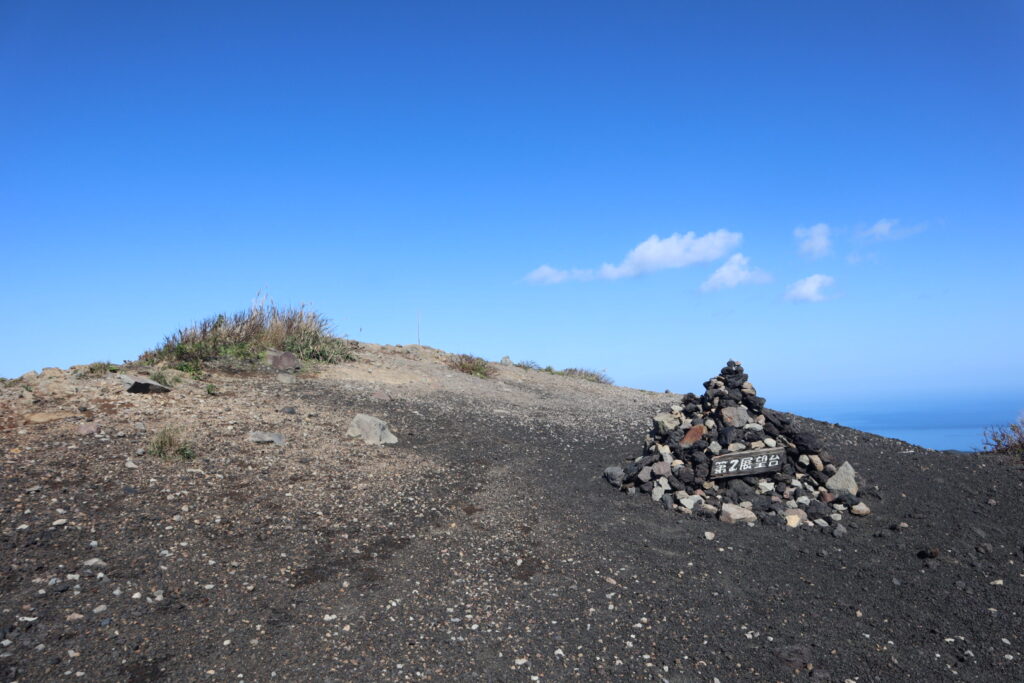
(851,171)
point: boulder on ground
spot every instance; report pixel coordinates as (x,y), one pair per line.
(371,429)
(843,481)
(734,514)
(615,475)
(266,437)
(282,361)
(143,385)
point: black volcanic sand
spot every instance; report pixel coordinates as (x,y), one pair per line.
(508,558)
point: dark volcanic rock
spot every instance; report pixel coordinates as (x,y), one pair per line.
(806,442)
(741,427)
(144,385)
(615,476)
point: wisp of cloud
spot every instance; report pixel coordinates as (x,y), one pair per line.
(809,289)
(734,272)
(815,241)
(651,255)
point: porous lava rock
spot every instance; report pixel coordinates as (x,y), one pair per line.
(675,468)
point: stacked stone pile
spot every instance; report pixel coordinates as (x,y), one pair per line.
(675,469)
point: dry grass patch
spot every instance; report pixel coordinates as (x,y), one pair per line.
(246,335)
(581,373)
(589,375)
(471,365)
(1008,439)
(168,443)
(99,368)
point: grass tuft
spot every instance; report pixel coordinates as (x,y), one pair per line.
(193,368)
(167,443)
(246,335)
(162,377)
(99,368)
(581,373)
(589,375)
(1008,439)
(471,365)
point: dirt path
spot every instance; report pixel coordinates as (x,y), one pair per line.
(483,546)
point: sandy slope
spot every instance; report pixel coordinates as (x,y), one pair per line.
(483,546)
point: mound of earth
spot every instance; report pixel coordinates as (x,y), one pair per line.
(484,544)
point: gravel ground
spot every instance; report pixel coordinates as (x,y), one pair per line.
(484,545)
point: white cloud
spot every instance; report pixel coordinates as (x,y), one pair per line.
(735,271)
(889,229)
(882,230)
(546,275)
(809,289)
(653,254)
(815,241)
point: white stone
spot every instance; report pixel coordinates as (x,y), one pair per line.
(734,514)
(371,429)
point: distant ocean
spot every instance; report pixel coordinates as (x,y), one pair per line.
(953,425)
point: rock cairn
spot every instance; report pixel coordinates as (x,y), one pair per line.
(675,469)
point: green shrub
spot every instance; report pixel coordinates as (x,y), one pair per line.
(246,335)
(211,389)
(163,378)
(471,365)
(193,368)
(1008,439)
(167,443)
(527,365)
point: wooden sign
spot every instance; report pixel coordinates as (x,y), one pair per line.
(746,463)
